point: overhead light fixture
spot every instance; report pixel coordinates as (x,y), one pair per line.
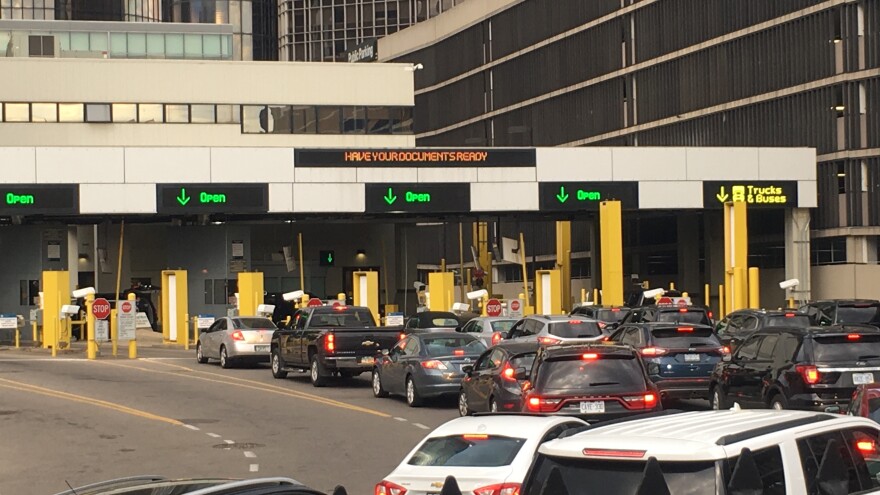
(841,174)
(361,253)
(839,108)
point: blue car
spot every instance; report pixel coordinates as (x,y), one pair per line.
(679,358)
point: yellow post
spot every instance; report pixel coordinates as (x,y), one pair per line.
(481,242)
(583,295)
(132,344)
(186,332)
(442,287)
(522,259)
(707,297)
(302,276)
(563,252)
(736,253)
(754,288)
(791,302)
(341,297)
(34,328)
(595,296)
(741,289)
(442,264)
(366,291)
(91,345)
(461,295)
(175,304)
(56,293)
(611,239)
(548,292)
(250,293)
(671,285)
(114,331)
(483,303)
(17,337)
(722,311)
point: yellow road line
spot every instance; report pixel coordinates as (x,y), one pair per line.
(253,385)
(25,387)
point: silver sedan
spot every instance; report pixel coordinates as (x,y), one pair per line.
(485,327)
(232,340)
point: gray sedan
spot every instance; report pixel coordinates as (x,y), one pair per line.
(488,328)
(232,340)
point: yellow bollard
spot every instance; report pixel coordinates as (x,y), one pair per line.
(583,295)
(132,344)
(671,285)
(707,296)
(186,333)
(595,296)
(34,325)
(740,288)
(114,331)
(722,311)
(17,337)
(754,288)
(91,345)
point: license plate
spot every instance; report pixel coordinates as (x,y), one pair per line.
(593,407)
(261,348)
(368,360)
(691,357)
(860,378)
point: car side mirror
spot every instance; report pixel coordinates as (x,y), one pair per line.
(727,358)
(458,328)
(468,369)
(834,410)
(521,374)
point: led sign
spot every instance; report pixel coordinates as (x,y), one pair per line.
(586,196)
(212,198)
(426,157)
(418,198)
(39,199)
(760,194)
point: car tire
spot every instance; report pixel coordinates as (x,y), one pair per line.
(413,399)
(493,405)
(778,403)
(225,360)
(463,409)
(378,390)
(717,399)
(277,365)
(317,374)
(200,358)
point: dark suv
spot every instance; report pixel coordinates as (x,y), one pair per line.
(844,311)
(593,381)
(670,314)
(608,317)
(736,326)
(798,368)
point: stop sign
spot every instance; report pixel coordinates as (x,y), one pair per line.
(313,302)
(682,303)
(337,303)
(664,300)
(126,307)
(101,308)
(493,307)
(514,305)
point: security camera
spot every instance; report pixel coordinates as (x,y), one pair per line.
(419,285)
(85,291)
(650,294)
(69,309)
(293,296)
(460,307)
(265,309)
(789,284)
(477,294)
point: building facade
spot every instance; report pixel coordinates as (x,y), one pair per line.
(254,23)
(672,73)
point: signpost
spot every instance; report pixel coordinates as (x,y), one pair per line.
(515,308)
(586,196)
(493,307)
(101,311)
(212,198)
(126,320)
(418,198)
(757,194)
(327,258)
(42,199)
(394,320)
(315,302)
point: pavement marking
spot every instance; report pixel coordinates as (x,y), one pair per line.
(230,442)
(214,435)
(193,428)
(251,384)
(400,419)
(48,360)
(255,468)
(24,387)
(419,425)
(249,454)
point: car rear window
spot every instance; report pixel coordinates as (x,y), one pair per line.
(447,346)
(359,318)
(476,450)
(681,338)
(602,374)
(610,315)
(501,325)
(575,329)
(582,476)
(523,361)
(443,322)
(683,316)
(800,321)
(254,324)
(858,314)
(844,348)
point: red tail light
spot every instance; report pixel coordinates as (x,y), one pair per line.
(389,488)
(615,453)
(575,322)
(589,356)
(508,373)
(650,400)
(237,335)
(865,446)
(458,352)
(602,324)
(615,310)
(644,401)
(330,342)
(433,364)
(548,340)
(789,315)
(685,329)
(653,351)
(401,336)
(809,373)
(540,404)
(853,336)
(500,489)
(475,436)
(682,310)
(710,315)
(496,338)
(724,350)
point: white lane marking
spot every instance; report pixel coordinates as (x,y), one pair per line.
(191,427)
(46,360)
(255,468)
(249,454)
(400,419)
(166,359)
(229,442)
(419,425)
(214,435)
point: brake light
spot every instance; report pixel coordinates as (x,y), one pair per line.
(602,324)
(496,338)
(540,404)
(508,373)
(685,329)
(853,336)
(865,446)
(589,356)
(475,436)
(401,336)
(330,342)
(650,400)
(500,489)
(653,351)
(548,340)
(710,315)
(635,454)
(615,310)
(237,335)
(809,373)
(724,350)
(644,401)
(433,364)
(682,310)
(340,308)
(575,322)
(458,352)
(789,315)
(389,488)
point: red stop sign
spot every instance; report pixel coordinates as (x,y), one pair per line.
(493,307)
(313,302)
(664,300)
(337,303)
(682,303)
(101,308)
(126,307)
(514,305)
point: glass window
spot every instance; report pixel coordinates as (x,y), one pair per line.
(71,112)
(228,114)
(467,450)
(193,45)
(281,120)
(574,329)
(252,116)
(97,112)
(16,112)
(4,39)
(137,45)
(403,123)
(118,44)
(685,337)
(79,42)
(155,45)
(63,41)
(254,324)
(501,325)
(814,450)
(227,46)
(378,120)
(749,349)
(177,114)
(211,46)
(124,112)
(174,45)
(98,42)
(846,348)
(450,346)
(304,120)
(765,351)
(354,120)
(328,120)
(44,112)
(150,112)
(202,114)
(618,374)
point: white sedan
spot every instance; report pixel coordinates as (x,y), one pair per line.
(487,454)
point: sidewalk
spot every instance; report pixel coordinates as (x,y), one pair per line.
(146,339)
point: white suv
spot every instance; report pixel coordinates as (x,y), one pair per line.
(714,452)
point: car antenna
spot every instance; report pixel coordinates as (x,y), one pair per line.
(68,486)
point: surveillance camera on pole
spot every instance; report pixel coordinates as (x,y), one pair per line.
(293,296)
(651,294)
(69,310)
(789,284)
(265,309)
(477,294)
(85,291)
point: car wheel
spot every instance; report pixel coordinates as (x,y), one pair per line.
(199,356)
(317,373)
(225,361)
(378,390)
(717,399)
(493,405)
(462,404)
(777,403)
(278,365)
(413,399)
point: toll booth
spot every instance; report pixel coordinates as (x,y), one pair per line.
(56,294)
(366,291)
(250,293)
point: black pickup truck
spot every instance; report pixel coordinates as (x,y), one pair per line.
(330,340)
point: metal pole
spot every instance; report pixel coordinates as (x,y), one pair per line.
(461,259)
(132,344)
(302,276)
(525,270)
(754,288)
(91,345)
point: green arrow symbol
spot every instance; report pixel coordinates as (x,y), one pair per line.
(390,198)
(329,257)
(562,196)
(183,199)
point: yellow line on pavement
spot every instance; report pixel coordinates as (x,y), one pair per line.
(253,385)
(25,387)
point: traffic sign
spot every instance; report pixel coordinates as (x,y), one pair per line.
(212,198)
(493,307)
(337,303)
(327,258)
(515,308)
(586,196)
(682,303)
(126,320)
(759,194)
(469,157)
(102,330)
(43,199)
(664,300)
(314,302)
(418,198)
(101,308)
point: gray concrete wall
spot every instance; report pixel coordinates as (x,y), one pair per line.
(24,256)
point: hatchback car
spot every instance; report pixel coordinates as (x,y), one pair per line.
(736,326)
(593,381)
(491,383)
(844,311)
(234,340)
(434,321)
(551,330)
(798,368)
(485,327)
(694,315)
(425,365)
(679,358)
(607,316)
(487,454)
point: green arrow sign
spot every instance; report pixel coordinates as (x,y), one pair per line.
(329,257)
(562,196)
(183,199)
(390,198)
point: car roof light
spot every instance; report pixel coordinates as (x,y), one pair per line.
(853,336)
(682,310)
(633,454)
(575,322)
(685,329)
(589,355)
(475,436)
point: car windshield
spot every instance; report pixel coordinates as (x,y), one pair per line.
(575,329)
(523,361)
(678,316)
(254,324)
(502,325)
(360,318)
(477,450)
(610,315)
(800,321)
(846,347)
(447,346)
(858,314)
(605,373)
(443,322)
(685,337)
(581,476)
